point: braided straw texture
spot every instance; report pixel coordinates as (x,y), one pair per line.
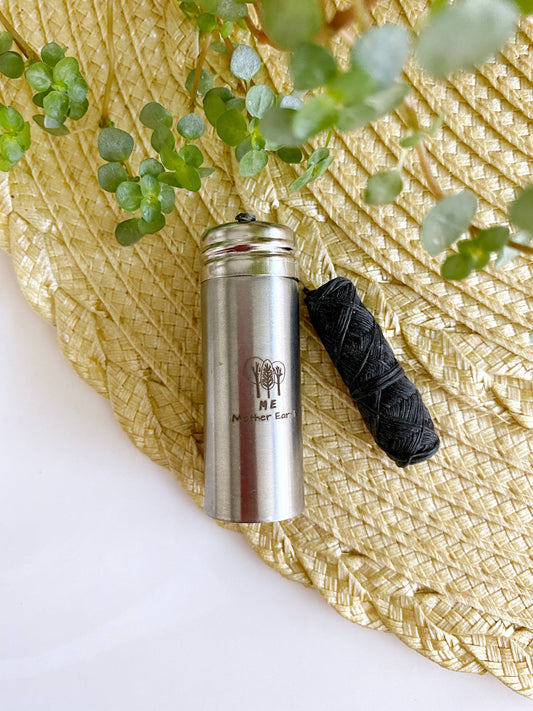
(438,553)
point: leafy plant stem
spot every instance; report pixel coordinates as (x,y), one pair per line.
(526,249)
(105,120)
(431,180)
(127,165)
(21,43)
(198,71)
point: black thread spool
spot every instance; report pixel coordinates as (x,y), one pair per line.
(391,406)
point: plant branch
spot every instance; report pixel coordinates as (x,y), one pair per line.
(26,49)
(198,71)
(105,119)
(526,249)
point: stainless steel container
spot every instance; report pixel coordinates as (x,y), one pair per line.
(251,360)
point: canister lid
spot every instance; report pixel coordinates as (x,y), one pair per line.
(247,246)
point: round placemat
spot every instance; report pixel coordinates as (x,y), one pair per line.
(438,553)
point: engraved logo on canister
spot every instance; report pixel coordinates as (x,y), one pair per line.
(265,376)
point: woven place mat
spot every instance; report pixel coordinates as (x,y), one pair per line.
(438,553)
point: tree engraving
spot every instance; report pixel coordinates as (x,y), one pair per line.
(279,374)
(253,368)
(267,376)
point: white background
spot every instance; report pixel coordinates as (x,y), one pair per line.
(118,594)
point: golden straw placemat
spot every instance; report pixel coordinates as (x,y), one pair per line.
(439,553)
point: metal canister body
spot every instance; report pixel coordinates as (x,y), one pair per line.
(251,353)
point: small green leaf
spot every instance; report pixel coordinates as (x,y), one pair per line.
(169,178)
(162,138)
(191,127)
(311,66)
(231,11)
(129,195)
(190,9)
(351,87)
(187,176)
(111,175)
(383,188)
(290,154)
(506,254)
(219,47)
(318,113)
(206,23)
(252,163)
(209,6)
(78,90)
(24,136)
(521,210)
(493,239)
(153,115)
(66,71)
(56,106)
(474,251)
(447,220)
(205,172)
(10,119)
(291,102)
(6,40)
(465,34)
(44,123)
(436,125)
(226,30)
(277,127)
(114,144)
(77,110)
(150,208)
(321,167)
(412,140)
(456,267)
(151,166)
(300,182)
(214,107)
(381,52)
(259,99)
(128,232)
(51,53)
(318,155)
(150,228)
(205,83)
(149,186)
(373,107)
(525,6)
(243,148)
(39,98)
(232,128)
(192,155)
(11,65)
(245,62)
(10,148)
(289,23)
(167,198)
(39,76)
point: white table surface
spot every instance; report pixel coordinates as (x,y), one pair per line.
(117,593)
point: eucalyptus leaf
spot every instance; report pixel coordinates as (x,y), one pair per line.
(321,167)
(259,99)
(245,62)
(318,113)
(465,34)
(10,148)
(277,126)
(243,148)
(153,115)
(10,119)
(129,195)
(456,267)
(11,65)
(291,101)
(40,120)
(205,172)
(191,127)
(290,154)
(311,66)
(150,228)
(188,176)
(447,220)
(51,53)
(206,23)
(167,197)
(110,175)
(412,139)
(162,138)
(506,254)
(128,232)
(521,210)
(318,155)
(252,163)
(6,40)
(219,47)
(114,144)
(39,76)
(192,155)
(214,107)
(151,166)
(493,238)
(232,128)
(289,23)
(56,105)
(77,109)
(381,52)
(352,87)
(231,11)
(205,83)
(305,178)
(372,107)
(383,188)
(150,208)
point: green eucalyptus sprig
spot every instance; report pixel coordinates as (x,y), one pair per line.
(151,193)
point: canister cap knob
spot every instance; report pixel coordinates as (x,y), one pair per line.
(245,217)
